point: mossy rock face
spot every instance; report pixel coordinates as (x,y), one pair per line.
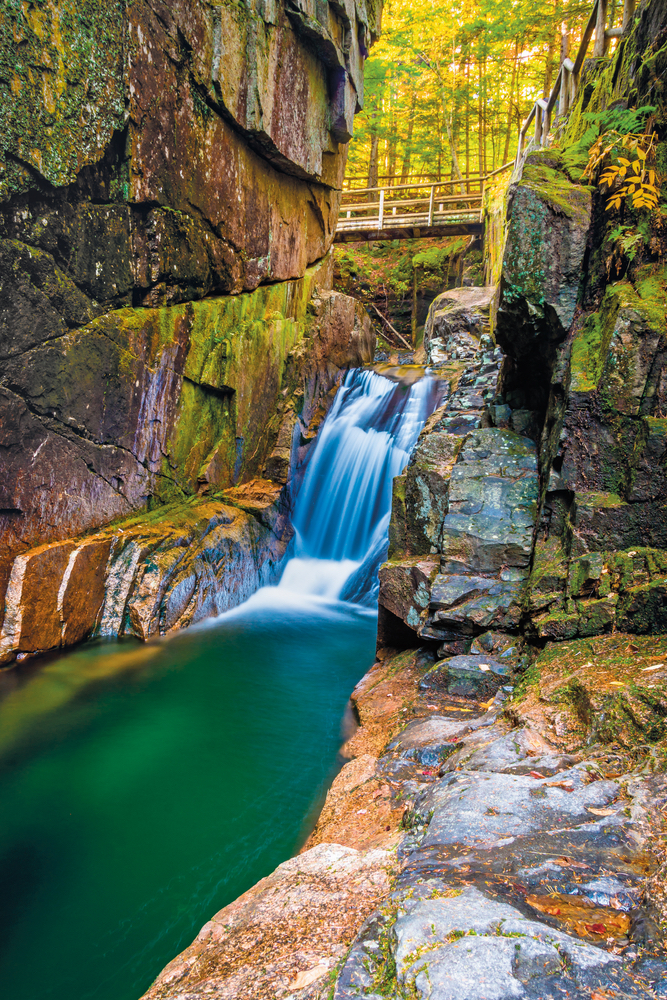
(603,592)
(610,690)
(155,405)
(548,221)
(612,450)
(62,96)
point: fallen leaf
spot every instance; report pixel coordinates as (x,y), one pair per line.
(308,977)
(600,812)
(536,774)
(361,812)
(567,786)
(656,666)
(582,916)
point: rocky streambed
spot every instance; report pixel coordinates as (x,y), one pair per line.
(479,850)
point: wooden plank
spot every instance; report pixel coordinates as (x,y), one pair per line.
(369,235)
(554,94)
(413,187)
(499,170)
(410,202)
(585,39)
(601,43)
(417,218)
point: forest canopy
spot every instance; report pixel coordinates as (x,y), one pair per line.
(449,87)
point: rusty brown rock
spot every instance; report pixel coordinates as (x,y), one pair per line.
(286,933)
(167,402)
(82,589)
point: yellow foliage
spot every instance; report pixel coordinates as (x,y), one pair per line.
(630,179)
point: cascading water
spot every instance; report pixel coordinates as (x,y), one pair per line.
(342,510)
(143,787)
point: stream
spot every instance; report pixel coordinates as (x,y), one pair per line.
(145,786)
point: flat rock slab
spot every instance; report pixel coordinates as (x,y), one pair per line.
(284,934)
(482,809)
(493,494)
(463,944)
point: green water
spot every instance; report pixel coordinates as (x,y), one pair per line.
(144,787)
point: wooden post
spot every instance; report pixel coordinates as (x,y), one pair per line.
(601,40)
(381,211)
(538,125)
(413,318)
(430,205)
(628,13)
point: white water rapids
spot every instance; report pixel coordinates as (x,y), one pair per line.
(342,511)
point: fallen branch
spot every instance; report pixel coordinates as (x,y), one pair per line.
(393,329)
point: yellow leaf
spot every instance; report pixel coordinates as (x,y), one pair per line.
(626,163)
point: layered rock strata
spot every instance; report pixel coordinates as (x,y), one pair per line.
(191,556)
(169,185)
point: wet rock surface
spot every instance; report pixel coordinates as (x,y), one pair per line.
(523,869)
(147,575)
(173,158)
(181,421)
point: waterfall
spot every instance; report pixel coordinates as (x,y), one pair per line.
(341,514)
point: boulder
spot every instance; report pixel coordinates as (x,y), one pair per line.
(149,574)
(456,322)
(547,233)
(467,676)
(493,495)
(405,588)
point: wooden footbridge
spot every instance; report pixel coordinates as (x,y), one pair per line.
(414,209)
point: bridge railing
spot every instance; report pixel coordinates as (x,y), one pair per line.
(421,204)
(565,88)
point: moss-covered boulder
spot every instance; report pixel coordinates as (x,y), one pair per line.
(547,231)
(613,443)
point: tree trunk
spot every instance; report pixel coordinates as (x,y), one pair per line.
(549,68)
(407,156)
(508,133)
(467,126)
(480,118)
(373,163)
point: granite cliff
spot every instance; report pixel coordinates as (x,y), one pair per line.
(169,185)
(498,828)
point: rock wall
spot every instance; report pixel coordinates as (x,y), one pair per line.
(534,506)
(169,187)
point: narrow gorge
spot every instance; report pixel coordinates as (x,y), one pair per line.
(348,650)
